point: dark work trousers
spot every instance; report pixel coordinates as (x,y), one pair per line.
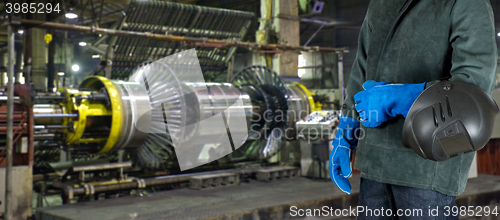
(387,201)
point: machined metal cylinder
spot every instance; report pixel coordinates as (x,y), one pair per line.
(208,100)
(136,114)
(48,110)
(299,105)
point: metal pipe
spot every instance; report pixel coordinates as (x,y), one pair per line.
(340,64)
(314,35)
(16,116)
(14,129)
(95,49)
(51,94)
(7,99)
(132,185)
(41,127)
(10,110)
(39,137)
(185,31)
(108,166)
(211,42)
(49,97)
(55,116)
(109,54)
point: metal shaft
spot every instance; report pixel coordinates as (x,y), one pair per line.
(46,136)
(41,127)
(10,111)
(55,116)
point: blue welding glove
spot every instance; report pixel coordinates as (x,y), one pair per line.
(345,141)
(380,101)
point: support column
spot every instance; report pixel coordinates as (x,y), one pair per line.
(264,33)
(27,54)
(287,25)
(39,57)
(9,207)
(51,71)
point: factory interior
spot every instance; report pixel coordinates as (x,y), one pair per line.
(102,90)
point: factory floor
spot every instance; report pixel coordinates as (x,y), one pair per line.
(249,200)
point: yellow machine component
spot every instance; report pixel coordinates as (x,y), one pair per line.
(315,106)
(87,110)
(115,111)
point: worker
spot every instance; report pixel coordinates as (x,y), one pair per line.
(403,48)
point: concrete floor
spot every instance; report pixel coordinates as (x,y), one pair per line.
(249,200)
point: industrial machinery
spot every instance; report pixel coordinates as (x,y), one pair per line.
(172,19)
(102,117)
(105,115)
(121,127)
(22,152)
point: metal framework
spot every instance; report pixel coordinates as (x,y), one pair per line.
(161,37)
(167,18)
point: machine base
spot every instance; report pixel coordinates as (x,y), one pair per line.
(249,200)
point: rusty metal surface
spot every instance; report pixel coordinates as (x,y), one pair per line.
(22,127)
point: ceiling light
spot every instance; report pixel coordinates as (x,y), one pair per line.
(71,14)
(60,73)
(498,34)
(95,56)
(83,44)
(75,67)
(20,31)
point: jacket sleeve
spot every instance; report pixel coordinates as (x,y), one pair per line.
(358,72)
(472,38)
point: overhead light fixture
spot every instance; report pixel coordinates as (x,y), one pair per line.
(95,56)
(60,73)
(498,34)
(20,31)
(83,44)
(75,67)
(71,14)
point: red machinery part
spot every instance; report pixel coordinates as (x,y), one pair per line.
(23,127)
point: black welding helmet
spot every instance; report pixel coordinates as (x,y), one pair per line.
(449,119)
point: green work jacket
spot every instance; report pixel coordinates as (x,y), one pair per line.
(418,41)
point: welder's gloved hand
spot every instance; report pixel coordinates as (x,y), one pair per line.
(345,141)
(380,101)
